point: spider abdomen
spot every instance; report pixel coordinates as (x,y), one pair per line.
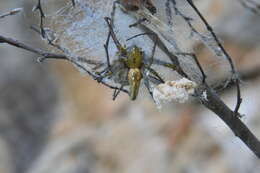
(134,79)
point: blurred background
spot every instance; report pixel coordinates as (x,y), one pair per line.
(54,120)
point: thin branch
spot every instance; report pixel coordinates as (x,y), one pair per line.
(21,45)
(235,76)
(10,13)
(212,100)
(73,3)
(45,36)
(245,75)
(48,55)
(251,5)
(214,103)
(165,37)
(42,16)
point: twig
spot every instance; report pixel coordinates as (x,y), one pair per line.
(251,5)
(42,16)
(48,55)
(12,12)
(165,37)
(73,3)
(45,36)
(245,75)
(21,45)
(214,103)
(235,76)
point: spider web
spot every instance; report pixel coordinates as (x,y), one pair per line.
(191,35)
(82,32)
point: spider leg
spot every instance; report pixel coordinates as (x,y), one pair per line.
(114,11)
(106,49)
(113,35)
(106,45)
(138,22)
(108,69)
(165,64)
(107,72)
(172,66)
(148,86)
(155,79)
(153,72)
(197,63)
(117,92)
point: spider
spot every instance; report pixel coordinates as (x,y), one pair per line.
(132,65)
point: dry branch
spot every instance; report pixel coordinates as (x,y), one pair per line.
(12,12)
(48,55)
(211,101)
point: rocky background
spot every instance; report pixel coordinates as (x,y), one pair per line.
(54,120)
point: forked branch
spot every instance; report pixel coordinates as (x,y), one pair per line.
(211,101)
(47,55)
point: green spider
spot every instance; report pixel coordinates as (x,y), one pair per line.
(131,66)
